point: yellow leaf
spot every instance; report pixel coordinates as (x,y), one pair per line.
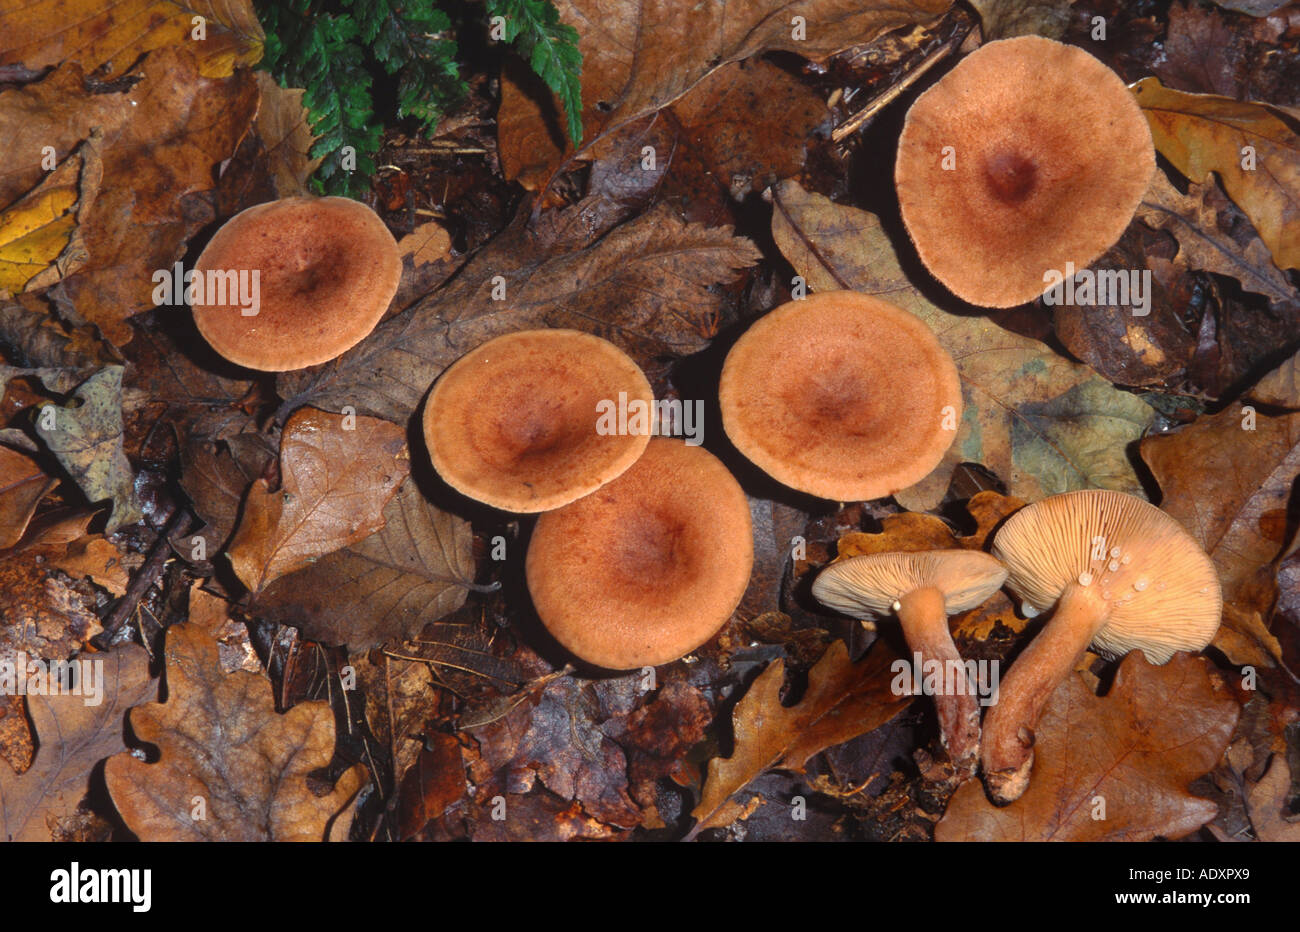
(117,32)
(1203,133)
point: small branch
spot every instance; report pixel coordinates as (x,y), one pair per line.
(148,574)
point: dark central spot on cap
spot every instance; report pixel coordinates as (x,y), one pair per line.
(1011,176)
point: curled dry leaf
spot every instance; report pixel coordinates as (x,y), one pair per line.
(414,570)
(22,486)
(47,32)
(286,136)
(74,735)
(1040,422)
(1128,756)
(229,768)
(337,474)
(1203,133)
(1266,802)
(843,700)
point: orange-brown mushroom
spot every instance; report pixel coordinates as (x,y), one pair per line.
(841,395)
(516,423)
(649,567)
(1029,157)
(1122,575)
(327,270)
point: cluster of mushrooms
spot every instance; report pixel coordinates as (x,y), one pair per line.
(643,548)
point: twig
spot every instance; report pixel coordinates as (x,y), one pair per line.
(152,568)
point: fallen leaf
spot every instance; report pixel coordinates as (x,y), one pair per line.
(229,768)
(86,439)
(427,262)
(648,286)
(115,34)
(1193,220)
(842,700)
(1003,19)
(1230,485)
(338,472)
(1040,422)
(217,476)
(638,57)
(75,735)
(414,570)
(39,237)
(1203,133)
(282,126)
(95,557)
(1128,755)
(1266,802)
(435,782)
(1245,640)
(22,486)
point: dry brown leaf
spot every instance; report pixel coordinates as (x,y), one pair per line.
(843,700)
(1114,768)
(337,474)
(417,568)
(22,486)
(98,558)
(1245,640)
(286,136)
(1203,133)
(74,737)
(639,56)
(229,767)
(115,33)
(1229,486)
(1266,801)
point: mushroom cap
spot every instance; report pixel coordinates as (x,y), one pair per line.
(328,270)
(514,422)
(649,567)
(871,584)
(841,395)
(1052,156)
(1160,589)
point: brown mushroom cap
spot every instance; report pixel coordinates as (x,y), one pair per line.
(514,422)
(1052,156)
(649,567)
(1158,590)
(328,270)
(873,584)
(841,395)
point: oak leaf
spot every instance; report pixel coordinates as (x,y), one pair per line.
(336,477)
(229,767)
(1112,768)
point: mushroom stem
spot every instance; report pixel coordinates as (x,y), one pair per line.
(925,625)
(1008,753)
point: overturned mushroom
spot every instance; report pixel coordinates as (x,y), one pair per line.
(1122,576)
(647,568)
(326,270)
(516,423)
(923,589)
(841,395)
(1029,157)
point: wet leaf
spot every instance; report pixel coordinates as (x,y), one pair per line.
(843,700)
(338,472)
(1229,485)
(75,734)
(412,571)
(646,286)
(94,33)
(86,438)
(22,486)
(1041,423)
(1203,133)
(638,57)
(1133,752)
(229,768)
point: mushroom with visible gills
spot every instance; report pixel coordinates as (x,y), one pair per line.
(923,589)
(1123,576)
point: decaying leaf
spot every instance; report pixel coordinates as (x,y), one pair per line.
(1203,133)
(1267,801)
(646,286)
(46,32)
(1042,423)
(22,486)
(1002,19)
(76,733)
(229,767)
(338,472)
(86,438)
(414,570)
(1228,478)
(286,136)
(843,700)
(1113,768)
